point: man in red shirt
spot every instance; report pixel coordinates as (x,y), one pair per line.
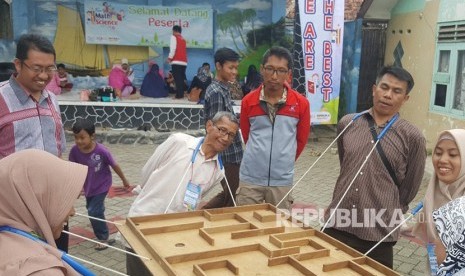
(178,60)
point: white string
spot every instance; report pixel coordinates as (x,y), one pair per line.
(94,218)
(385,237)
(230,192)
(177,188)
(350,185)
(105,244)
(298,181)
(97,265)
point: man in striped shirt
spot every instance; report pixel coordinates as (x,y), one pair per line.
(376,200)
(29,114)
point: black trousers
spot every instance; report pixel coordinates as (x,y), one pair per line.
(223,198)
(383,253)
(179,75)
(63,241)
(135,266)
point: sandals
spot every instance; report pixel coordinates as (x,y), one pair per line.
(100,247)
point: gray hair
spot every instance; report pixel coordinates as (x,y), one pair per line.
(228,115)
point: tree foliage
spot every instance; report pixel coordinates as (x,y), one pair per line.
(272,34)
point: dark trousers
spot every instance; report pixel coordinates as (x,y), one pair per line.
(135,266)
(63,241)
(223,198)
(96,208)
(383,253)
(179,75)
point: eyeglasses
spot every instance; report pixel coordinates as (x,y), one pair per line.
(39,70)
(224,132)
(280,72)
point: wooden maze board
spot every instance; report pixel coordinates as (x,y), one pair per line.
(245,240)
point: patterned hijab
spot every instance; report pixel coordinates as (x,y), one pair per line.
(203,74)
(439,193)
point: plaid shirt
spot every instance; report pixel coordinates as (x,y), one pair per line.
(218,98)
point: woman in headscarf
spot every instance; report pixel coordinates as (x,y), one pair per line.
(252,81)
(153,84)
(447,184)
(199,84)
(38,191)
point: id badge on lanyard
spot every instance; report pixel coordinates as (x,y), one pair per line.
(433,261)
(192,196)
(194,191)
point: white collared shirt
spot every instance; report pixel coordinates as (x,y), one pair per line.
(169,166)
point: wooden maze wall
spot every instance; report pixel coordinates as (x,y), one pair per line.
(246,240)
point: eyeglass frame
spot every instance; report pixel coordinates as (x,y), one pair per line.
(279,72)
(224,132)
(47,70)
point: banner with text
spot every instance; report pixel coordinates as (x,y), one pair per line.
(122,24)
(322,24)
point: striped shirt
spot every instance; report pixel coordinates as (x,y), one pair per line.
(373,193)
(218,98)
(26,123)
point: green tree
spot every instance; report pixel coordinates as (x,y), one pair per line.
(273,34)
(249,15)
(237,20)
(226,25)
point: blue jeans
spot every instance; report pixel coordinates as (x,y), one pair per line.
(96,208)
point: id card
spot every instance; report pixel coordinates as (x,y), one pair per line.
(192,196)
(433,261)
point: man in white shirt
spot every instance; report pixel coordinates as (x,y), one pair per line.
(190,163)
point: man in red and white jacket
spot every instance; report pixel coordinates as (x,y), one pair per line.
(275,124)
(178,60)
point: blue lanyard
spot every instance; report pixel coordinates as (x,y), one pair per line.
(67,259)
(388,126)
(433,261)
(196,151)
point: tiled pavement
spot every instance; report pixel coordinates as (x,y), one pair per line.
(315,189)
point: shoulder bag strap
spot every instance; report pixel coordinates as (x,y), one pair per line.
(387,164)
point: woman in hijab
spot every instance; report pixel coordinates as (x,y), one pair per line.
(38,191)
(447,184)
(199,84)
(153,84)
(252,81)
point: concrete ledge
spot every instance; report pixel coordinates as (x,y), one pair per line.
(133,136)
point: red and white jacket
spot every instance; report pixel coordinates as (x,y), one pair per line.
(178,51)
(272,148)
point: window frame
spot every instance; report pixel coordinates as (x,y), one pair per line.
(7,22)
(447,78)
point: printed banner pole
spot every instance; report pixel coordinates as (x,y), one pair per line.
(322,24)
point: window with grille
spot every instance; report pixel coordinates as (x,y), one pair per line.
(448,89)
